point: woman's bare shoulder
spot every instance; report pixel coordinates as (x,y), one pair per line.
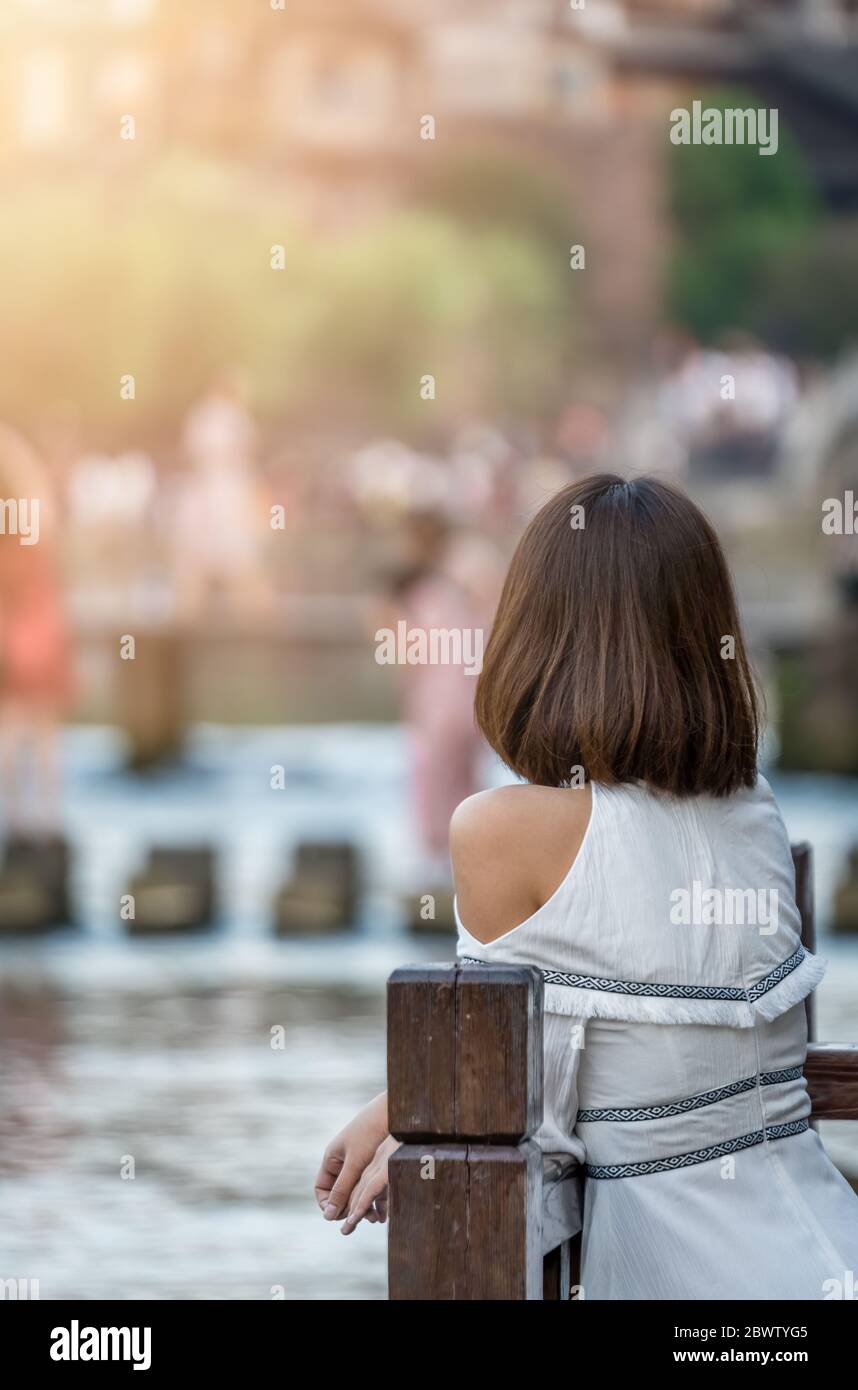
(518,809)
(511,848)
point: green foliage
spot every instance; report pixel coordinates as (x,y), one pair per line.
(808,302)
(737,214)
(817,723)
(488,188)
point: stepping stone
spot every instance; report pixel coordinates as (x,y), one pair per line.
(323,892)
(430,914)
(25,903)
(34,883)
(191,862)
(175,892)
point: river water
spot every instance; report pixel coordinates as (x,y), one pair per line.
(156,1057)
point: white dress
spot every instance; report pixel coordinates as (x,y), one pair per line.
(675,1038)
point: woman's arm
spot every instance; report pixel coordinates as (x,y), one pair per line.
(348,1157)
(506,846)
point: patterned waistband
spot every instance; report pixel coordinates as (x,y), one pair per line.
(658,991)
(667,1165)
(627,1113)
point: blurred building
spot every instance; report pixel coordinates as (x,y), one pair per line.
(329,95)
(343,78)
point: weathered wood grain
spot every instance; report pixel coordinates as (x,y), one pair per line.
(802,858)
(465,1094)
(831,1070)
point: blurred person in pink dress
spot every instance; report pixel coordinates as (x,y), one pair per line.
(36,685)
(447,582)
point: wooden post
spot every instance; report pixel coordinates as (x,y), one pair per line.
(150,695)
(465,1097)
(557,1273)
(802,858)
(831,1070)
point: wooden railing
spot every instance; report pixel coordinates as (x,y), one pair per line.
(476,1211)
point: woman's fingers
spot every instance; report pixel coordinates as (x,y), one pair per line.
(359,1205)
(342,1190)
(347,1156)
(372,1185)
(329,1171)
(371,1192)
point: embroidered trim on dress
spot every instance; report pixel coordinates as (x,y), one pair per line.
(681,1107)
(666,1165)
(658,991)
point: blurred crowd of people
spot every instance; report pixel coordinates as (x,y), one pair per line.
(195,525)
(229,520)
(727,406)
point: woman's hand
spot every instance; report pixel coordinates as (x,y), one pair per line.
(348,1155)
(369,1198)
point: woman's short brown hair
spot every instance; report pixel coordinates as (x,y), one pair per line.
(616,647)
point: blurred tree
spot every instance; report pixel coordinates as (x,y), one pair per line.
(737,214)
(419,294)
(491,188)
(168,276)
(491,191)
(808,300)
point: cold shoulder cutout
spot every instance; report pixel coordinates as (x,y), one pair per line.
(513,849)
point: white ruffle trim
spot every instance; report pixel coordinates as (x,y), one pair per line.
(734,1013)
(793,989)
